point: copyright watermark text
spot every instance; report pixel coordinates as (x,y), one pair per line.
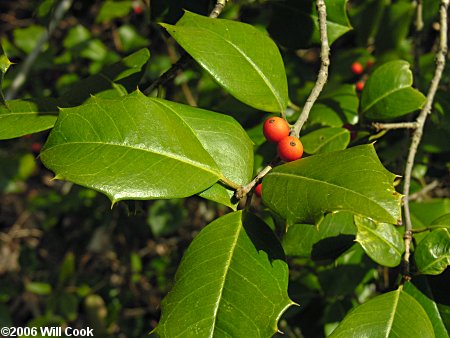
(54,331)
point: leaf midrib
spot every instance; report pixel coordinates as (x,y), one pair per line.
(331,184)
(384,96)
(169,155)
(225,275)
(392,314)
(254,66)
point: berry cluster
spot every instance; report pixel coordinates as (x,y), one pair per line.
(289,148)
(358,69)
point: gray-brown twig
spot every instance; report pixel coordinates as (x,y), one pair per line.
(401,125)
(323,72)
(320,83)
(417,135)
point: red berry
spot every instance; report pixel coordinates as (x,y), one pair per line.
(137,9)
(290,149)
(275,128)
(36,147)
(359,86)
(357,68)
(258,190)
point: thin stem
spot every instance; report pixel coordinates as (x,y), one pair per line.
(429,228)
(185,58)
(323,72)
(20,78)
(440,65)
(426,189)
(401,125)
(243,191)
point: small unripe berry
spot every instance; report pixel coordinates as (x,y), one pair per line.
(36,147)
(359,86)
(357,68)
(275,129)
(258,190)
(290,149)
(370,63)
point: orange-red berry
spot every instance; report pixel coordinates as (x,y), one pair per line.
(359,86)
(290,149)
(137,9)
(275,129)
(258,190)
(357,68)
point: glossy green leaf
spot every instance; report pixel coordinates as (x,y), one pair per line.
(381,241)
(295,24)
(432,254)
(388,93)
(226,141)
(325,140)
(4,66)
(22,117)
(234,266)
(124,74)
(132,147)
(393,314)
(335,107)
(443,221)
(353,180)
(421,291)
(426,212)
(242,59)
(304,240)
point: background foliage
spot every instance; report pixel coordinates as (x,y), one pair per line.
(68,258)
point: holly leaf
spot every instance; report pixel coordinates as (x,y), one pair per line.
(242,59)
(295,24)
(325,140)
(432,255)
(132,147)
(22,117)
(388,93)
(352,180)
(381,241)
(234,266)
(227,143)
(423,293)
(306,240)
(393,314)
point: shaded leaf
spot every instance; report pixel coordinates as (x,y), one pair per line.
(117,78)
(113,9)
(325,140)
(421,292)
(295,24)
(388,93)
(353,180)
(132,147)
(234,266)
(301,239)
(228,50)
(393,314)
(22,117)
(381,241)
(432,254)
